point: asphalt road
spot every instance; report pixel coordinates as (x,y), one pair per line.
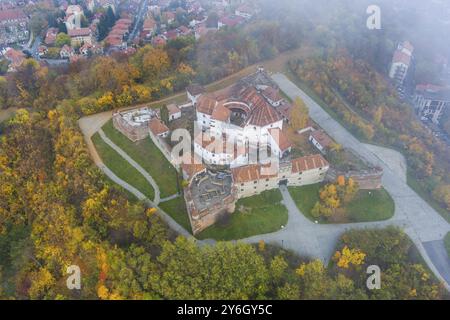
(419,220)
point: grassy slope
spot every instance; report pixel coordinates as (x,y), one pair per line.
(122,168)
(176,208)
(374,205)
(146,154)
(255,215)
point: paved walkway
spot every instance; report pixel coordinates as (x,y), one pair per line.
(307,238)
(134,164)
(174,196)
(420,221)
(92,124)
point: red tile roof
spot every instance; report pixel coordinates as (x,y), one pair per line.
(82,32)
(206,104)
(310,162)
(322,138)
(401,57)
(221,113)
(173,109)
(280,139)
(192,168)
(272,94)
(263,115)
(149,24)
(157,127)
(250,173)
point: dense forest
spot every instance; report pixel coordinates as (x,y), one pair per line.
(56,208)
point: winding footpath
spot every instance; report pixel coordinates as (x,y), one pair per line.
(89,126)
(423,224)
(134,164)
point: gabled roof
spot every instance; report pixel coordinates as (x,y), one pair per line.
(173,109)
(250,173)
(192,169)
(322,138)
(401,57)
(263,115)
(206,104)
(221,113)
(157,127)
(149,24)
(407,45)
(67,48)
(272,94)
(280,139)
(310,162)
(82,32)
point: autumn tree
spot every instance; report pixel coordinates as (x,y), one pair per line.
(299,114)
(442,194)
(347,257)
(62,39)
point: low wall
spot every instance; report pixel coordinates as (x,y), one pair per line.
(367,179)
(164,148)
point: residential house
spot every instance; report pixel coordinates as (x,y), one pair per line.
(80,36)
(50,36)
(230,21)
(159,41)
(169,17)
(320,140)
(245,11)
(149,27)
(158,128)
(15,58)
(66,52)
(174,112)
(42,50)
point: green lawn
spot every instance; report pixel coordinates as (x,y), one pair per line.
(447,243)
(255,215)
(122,168)
(374,205)
(368,205)
(176,208)
(149,157)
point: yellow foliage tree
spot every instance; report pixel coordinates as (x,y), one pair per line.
(299,114)
(348,257)
(261,245)
(103,292)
